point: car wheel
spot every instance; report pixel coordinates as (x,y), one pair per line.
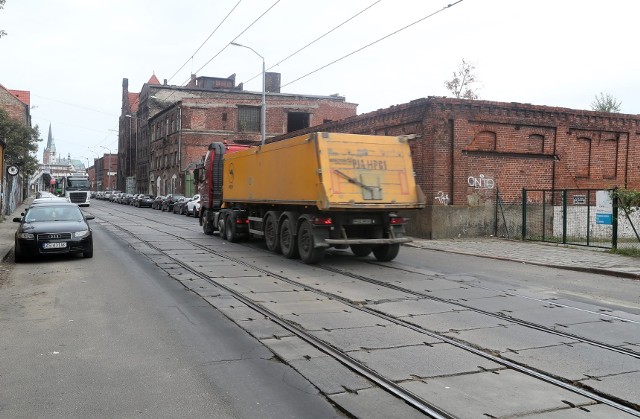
(89,254)
(19,256)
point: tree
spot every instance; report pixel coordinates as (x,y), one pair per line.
(462,80)
(605,103)
(21,141)
(2,33)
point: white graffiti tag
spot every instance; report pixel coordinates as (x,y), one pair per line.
(442,198)
(481,182)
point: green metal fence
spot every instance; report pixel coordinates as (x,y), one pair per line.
(568,216)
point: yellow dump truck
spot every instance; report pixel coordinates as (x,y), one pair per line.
(308,193)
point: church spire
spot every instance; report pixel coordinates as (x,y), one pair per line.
(51,146)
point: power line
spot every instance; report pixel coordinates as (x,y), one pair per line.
(74,105)
(238,36)
(318,38)
(205,41)
(372,43)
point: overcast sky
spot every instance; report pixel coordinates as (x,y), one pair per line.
(73,54)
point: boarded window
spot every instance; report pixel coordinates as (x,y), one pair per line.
(581,161)
(248,118)
(484,141)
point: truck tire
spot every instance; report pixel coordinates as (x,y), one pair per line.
(271,233)
(221,227)
(386,252)
(207,224)
(306,244)
(288,239)
(230,229)
(361,250)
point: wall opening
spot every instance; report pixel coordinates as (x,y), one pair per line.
(297,120)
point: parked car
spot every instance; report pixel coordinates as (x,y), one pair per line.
(157,202)
(133,199)
(53,228)
(126,198)
(114,196)
(144,201)
(167,204)
(193,206)
(180,206)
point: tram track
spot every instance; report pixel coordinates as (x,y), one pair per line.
(422,405)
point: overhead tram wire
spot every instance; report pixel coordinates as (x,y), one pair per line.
(226,46)
(206,40)
(318,38)
(238,36)
(372,43)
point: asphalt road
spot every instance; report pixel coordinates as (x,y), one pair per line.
(114,336)
(149,328)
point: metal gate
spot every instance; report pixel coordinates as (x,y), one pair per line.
(568,216)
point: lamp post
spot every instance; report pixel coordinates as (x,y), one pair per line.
(109,168)
(263,118)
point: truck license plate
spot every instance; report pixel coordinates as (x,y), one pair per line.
(54,245)
(362,221)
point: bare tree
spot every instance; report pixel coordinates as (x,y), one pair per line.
(2,33)
(460,84)
(606,103)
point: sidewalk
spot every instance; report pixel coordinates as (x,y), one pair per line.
(8,229)
(585,259)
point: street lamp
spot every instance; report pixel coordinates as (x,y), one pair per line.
(109,168)
(263,119)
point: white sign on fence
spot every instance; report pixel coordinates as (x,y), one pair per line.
(604,207)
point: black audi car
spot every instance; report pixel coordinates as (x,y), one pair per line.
(53,228)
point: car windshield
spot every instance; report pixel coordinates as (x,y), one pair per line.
(52,213)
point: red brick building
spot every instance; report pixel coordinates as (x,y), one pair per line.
(468,152)
(165,130)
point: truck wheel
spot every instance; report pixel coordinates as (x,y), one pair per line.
(306,244)
(361,250)
(386,252)
(288,240)
(271,233)
(221,227)
(230,229)
(207,225)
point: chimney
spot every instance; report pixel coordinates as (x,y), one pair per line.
(272,82)
(192,82)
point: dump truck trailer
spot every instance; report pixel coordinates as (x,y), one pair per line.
(306,194)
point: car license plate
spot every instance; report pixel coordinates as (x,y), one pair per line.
(54,245)
(362,221)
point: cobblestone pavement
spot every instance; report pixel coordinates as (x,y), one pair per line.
(577,258)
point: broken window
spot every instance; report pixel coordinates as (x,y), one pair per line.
(248,118)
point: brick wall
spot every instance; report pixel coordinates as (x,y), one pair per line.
(466,151)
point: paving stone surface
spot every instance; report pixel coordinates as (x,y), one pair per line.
(330,376)
(375,403)
(576,362)
(375,337)
(512,337)
(422,361)
(504,394)
(621,385)
(455,320)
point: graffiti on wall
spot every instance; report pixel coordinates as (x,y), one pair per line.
(442,198)
(481,182)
